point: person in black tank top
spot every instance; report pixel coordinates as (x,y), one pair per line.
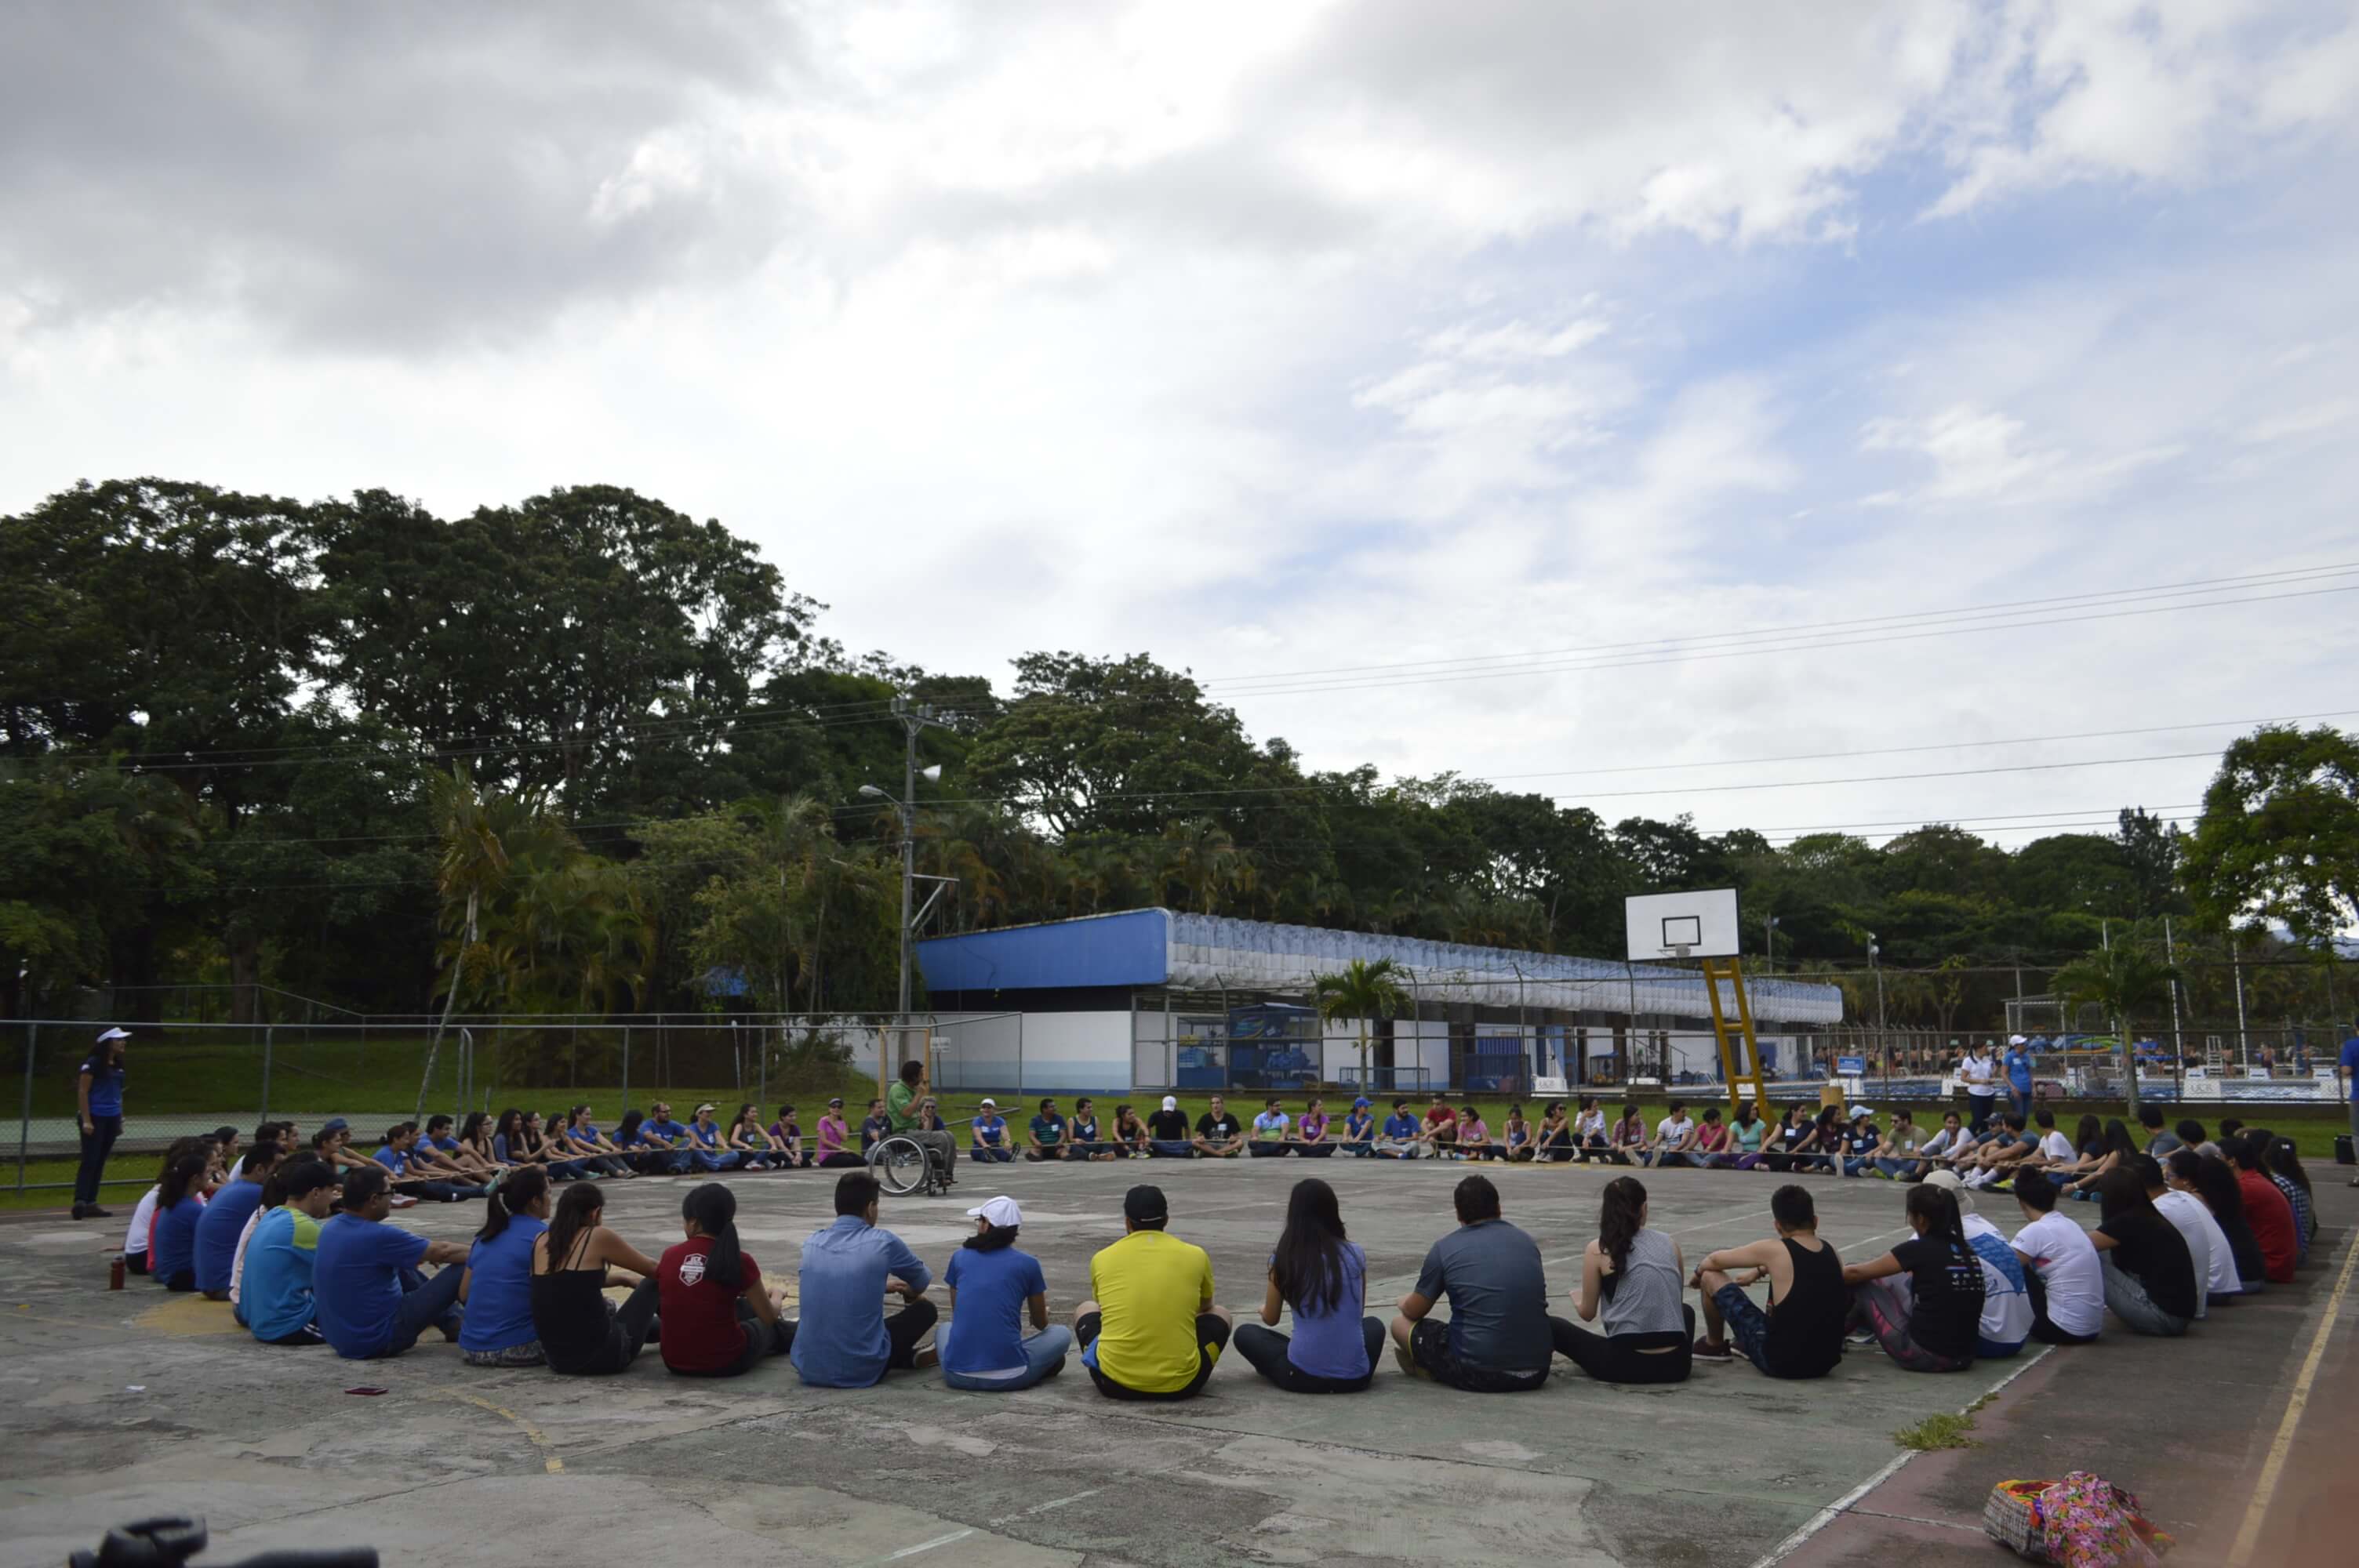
(1801,1334)
(581,1332)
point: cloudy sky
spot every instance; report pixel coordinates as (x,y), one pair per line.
(1417,374)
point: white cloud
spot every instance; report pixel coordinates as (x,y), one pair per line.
(1268,337)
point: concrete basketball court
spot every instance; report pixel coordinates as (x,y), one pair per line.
(118,1406)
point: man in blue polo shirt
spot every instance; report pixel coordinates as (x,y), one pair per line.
(990,1147)
(1402,1134)
(371,1299)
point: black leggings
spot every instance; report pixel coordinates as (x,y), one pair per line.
(1624,1358)
(1266,1349)
(904,1328)
(2043,1328)
(628,1329)
(95,1146)
(1212,1338)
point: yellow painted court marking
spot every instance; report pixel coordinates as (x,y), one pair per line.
(550,1461)
(2265,1492)
(189,1316)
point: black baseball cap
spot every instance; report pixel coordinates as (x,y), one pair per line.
(1146,1204)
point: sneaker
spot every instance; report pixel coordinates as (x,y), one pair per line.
(402,1200)
(1859,1338)
(930,1356)
(1712,1350)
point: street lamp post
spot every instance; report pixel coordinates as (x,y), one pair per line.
(1768,945)
(913,719)
(1883,1048)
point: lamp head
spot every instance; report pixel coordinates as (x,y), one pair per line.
(932,774)
(872,792)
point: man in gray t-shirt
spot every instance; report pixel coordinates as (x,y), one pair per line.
(1499,1338)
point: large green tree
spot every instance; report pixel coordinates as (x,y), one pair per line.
(2279,840)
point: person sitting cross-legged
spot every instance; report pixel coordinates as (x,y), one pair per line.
(1500,1337)
(1218,1134)
(1310,1140)
(1474,1139)
(834,1138)
(1442,1127)
(275,1288)
(573,1259)
(1923,1299)
(718,1318)
(2066,1279)
(1082,1139)
(1272,1131)
(1552,1138)
(1150,1330)
(1322,1276)
(225,1217)
(994,1288)
(2005,1324)
(845,1340)
(371,1302)
(1675,1137)
(1167,1134)
(2152,1283)
(1046,1136)
(1402,1139)
(1801,1334)
(990,1132)
(1636,1276)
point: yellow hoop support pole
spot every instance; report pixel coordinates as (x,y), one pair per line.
(1714,971)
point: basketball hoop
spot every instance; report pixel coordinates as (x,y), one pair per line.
(1680,950)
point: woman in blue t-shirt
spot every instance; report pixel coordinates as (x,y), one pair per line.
(98,1096)
(178,1209)
(1324,1278)
(993,1288)
(497,1290)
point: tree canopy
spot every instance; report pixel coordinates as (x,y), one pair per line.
(229,725)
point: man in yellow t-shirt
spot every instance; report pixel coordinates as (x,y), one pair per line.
(1150,1330)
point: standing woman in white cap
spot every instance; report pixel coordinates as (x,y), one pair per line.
(993,1289)
(98,1105)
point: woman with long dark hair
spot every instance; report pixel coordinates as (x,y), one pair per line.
(1323,1275)
(98,1115)
(1923,1299)
(994,1289)
(720,1320)
(580,1330)
(2282,1164)
(1552,1138)
(497,1330)
(2210,1179)
(2118,1147)
(179,1205)
(1129,1133)
(1746,1135)
(2151,1284)
(1796,1136)
(1635,1276)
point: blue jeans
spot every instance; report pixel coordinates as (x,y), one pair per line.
(1856,1167)
(704,1162)
(424,1303)
(991,1155)
(1896,1169)
(2020,1101)
(1044,1357)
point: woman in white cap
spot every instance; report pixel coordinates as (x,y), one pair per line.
(98,1106)
(995,1289)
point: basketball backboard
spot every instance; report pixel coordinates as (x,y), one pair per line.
(1681,925)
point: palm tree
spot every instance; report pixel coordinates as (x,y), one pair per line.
(1362,991)
(2124,981)
(1200,856)
(473,861)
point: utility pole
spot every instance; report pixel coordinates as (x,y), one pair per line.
(1883,1045)
(913,719)
(2177,1039)
(1768,945)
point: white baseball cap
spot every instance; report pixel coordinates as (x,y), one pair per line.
(1170,1102)
(1948,1182)
(989,1103)
(2016,1040)
(1000,1211)
(114,1034)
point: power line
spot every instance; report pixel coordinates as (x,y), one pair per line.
(2195,585)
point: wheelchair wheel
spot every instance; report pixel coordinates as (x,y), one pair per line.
(900,1164)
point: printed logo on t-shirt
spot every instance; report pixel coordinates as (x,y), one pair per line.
(691,1269)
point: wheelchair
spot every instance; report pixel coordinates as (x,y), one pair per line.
(902,1165)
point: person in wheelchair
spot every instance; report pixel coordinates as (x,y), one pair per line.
(902,1103)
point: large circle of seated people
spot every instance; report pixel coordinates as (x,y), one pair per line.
(294,1235)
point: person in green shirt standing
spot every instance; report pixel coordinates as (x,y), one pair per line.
(901,1102)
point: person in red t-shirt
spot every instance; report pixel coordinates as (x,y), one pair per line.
(1442,1129)
(2265,1209)
(718,1318)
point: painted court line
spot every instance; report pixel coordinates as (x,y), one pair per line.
(1843,1505)
(539,1440)
(2265,1491)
